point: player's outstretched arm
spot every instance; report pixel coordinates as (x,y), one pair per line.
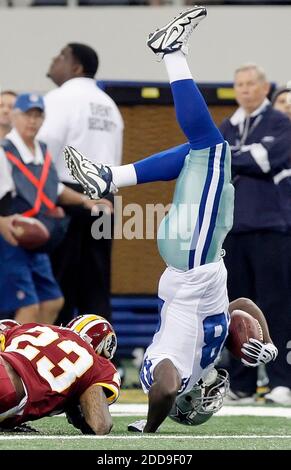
(247,305)
(258,352)
(95,410)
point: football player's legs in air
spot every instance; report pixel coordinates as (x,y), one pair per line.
(194,303)
(194,319)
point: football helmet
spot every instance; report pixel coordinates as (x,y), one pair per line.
(97,332)
(7,324)
(200,403)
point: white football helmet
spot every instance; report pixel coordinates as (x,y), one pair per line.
(97,332)
(206,398)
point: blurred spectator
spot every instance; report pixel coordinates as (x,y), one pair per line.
(27,287)
(7,100)
(28,186)
(281,100)
(82,115)
(257,246)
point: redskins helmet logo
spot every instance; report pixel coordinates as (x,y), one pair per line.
(110,345)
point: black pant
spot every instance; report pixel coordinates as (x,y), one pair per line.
(259,267)
(82,266)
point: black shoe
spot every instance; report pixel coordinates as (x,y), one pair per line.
(21,428)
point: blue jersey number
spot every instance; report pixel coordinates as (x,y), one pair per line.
(215,330)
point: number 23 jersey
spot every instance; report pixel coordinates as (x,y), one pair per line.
(56,366)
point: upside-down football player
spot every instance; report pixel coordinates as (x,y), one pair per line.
(46,370)
(194,302)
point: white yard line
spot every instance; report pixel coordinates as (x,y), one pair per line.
(141,436)
(139,409)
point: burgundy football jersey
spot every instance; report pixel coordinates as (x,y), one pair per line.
(56,366)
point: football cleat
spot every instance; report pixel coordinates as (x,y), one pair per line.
(279,395)
(238,397)
(175,35)
(137,426)
(95,178)
(20,428)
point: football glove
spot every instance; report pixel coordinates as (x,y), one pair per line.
(258,352)
(75,417)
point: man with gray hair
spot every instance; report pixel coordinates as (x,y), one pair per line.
(259,244)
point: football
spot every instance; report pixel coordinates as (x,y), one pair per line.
(30,233)
(242,327)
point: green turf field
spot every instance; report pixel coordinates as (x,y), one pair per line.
(221,432)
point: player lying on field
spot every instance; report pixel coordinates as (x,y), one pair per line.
(193,289)
(46,370)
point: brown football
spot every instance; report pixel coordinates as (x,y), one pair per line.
(242,327)
(30,233)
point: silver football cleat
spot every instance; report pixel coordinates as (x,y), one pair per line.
(95,178)
(175,35)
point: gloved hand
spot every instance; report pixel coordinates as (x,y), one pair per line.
(258,352)
(75,417)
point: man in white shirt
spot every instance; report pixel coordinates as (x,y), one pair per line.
(80,114)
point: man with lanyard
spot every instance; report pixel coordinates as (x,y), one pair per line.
(30,187)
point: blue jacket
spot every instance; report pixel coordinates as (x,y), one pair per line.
(261,169)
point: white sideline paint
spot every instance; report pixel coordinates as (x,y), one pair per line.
(140,436)
(139,409)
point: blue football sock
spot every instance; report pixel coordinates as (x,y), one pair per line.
(162,166)
(193,115)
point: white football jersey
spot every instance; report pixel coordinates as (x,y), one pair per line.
(194,323)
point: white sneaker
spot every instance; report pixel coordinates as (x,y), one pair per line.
(279,395)
(238,398)
(96,179)
(137,426)
(175,35)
